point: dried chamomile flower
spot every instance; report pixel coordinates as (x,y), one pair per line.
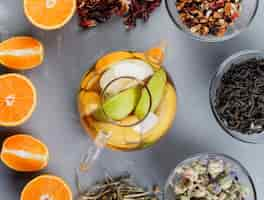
(199,192)
(226,182)
(215,167)
(190,173)
(211,179)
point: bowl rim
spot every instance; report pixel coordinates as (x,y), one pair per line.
(213,39)
(221,155)
(229,60)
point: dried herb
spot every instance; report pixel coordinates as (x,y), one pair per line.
(140,9)
(92,12)
(119,188)
(240,97)
(206,17)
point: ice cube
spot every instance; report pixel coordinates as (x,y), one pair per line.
(147,124)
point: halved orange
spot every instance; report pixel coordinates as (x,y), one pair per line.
(24,153)
(46,187)
(49,14)
(18,98)
(21,53)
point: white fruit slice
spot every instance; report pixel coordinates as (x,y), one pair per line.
(129,67)
(147,124)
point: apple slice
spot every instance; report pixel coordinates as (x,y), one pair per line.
(119,106)
(130,67)
(156,86)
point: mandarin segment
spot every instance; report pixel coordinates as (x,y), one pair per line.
(17,99)
(21,53)
(46,187)
(49,14)
(24,153)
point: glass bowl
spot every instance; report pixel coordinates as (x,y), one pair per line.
(248,12)
(224,67)
(241,172)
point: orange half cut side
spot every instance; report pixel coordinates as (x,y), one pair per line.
(46,187)
(49,14)
(18,99)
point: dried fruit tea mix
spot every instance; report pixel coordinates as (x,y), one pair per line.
(206,17)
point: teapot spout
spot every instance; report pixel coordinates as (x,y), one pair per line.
(156,54)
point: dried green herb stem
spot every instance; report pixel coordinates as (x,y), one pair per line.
(120,188)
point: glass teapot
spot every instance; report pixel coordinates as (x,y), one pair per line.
(126,102)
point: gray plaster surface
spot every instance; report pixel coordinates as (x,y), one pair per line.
(71,51)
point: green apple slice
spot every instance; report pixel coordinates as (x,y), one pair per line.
(156,86)
(119,106)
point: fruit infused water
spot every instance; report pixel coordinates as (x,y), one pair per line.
(129,96)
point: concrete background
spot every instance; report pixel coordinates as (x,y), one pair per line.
(69,53)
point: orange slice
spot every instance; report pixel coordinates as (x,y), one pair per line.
(46,187)
(90,81)
(88,102)
(49,14)
(24,153)
(21,53)
(18,99)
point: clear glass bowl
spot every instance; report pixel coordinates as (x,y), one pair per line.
(248,12)
(242,173)
(224,67)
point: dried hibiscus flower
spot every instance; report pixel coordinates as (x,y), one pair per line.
(92,12)
(140,9)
